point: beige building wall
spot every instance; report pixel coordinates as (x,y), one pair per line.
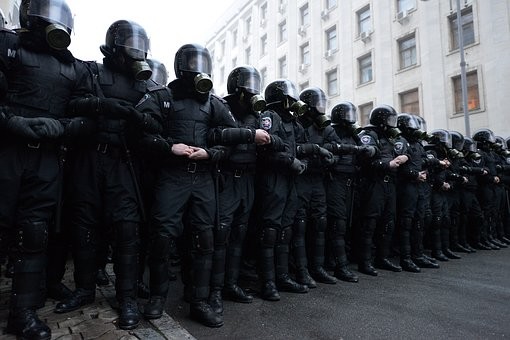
(431,76)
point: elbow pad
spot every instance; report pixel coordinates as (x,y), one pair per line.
(234,136)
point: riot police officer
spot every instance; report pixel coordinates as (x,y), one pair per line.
(108,195)
(41,77)
(237,190)
(310,221)
(276,199)
(378,190)
(188,112)
(410,199)
(340,181)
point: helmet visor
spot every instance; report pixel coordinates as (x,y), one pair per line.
(134,41)
(196,61)
(250,82)
(54,11)
(321,102)
(391,120)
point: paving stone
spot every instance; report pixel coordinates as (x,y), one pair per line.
(57,333)
(148,333)
(73,321)
(69,337)
(119,334)
(92,329)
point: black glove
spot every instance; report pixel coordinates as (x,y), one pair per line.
(307,149)
(78,127)
(343,149)
(49,128)
(367,150)
(297,166)
(115,108)
(326,156)
(155,144)
(23,127)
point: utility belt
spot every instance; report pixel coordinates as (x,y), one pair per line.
(238,170)
(31,145)
(109,149)
(191,167)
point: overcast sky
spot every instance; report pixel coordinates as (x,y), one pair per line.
(169,24)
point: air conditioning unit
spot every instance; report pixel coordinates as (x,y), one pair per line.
(402,15)
(303,68)
(325,14)
(365,35)
(328,54)
(302,30)
(245,38)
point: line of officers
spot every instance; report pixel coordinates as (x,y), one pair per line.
(101,153)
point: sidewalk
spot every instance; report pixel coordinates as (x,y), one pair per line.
(94,321)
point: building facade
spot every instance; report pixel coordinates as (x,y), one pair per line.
(10,10)
(404,53)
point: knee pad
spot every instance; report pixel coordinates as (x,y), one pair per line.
(160,247)
(238,233)
(320,224)
(203,241)
(299,227)
(126,232)
(339,227)
(32,237)
(268,237)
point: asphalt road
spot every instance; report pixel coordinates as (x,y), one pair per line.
(464,299)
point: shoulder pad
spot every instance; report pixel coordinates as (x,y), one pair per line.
(153,86)
(214,96)
(9,44)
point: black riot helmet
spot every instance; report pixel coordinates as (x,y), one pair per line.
(344,113)
(441,137)
(159,71)
(383,116)
(127,45)
(484,137)
(501,144)
(457,140)
(283,92)
(469,145)
(53,18)
(409,125)
(507,141)
(316,101)
(245,82)
(193,63)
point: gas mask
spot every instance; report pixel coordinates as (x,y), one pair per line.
(203,83)
(392,132)
(258,103)
(321,121)
(475,156)
(298,108)
(57,37)
(140,69)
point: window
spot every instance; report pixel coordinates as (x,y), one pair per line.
(472,92)
(247,55)
(304,15)
(468,29)
(405,5)
(234,38)
(330,4)
(263,12)
(304,85)
(410,102)
(263,77)
(282,67)
(365,69)
(407,51)
(282,31)
(263,45)
(364,113)
(305,53)
(331,41)
(332,83)
(222,48)
(247,26)
(364,23)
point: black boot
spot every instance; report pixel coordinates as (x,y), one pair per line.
(286,284)
(203,313)
(409,266)
(386,264)
(451,255)
(367,268)
(422,262)
(344,274)
(269,292)
(79,298)
(216,301)
(482,246)
(437,252)
(236,294)
(303,277)
(322,276)
(445,242)
(129,317)
(438,255)
(26,325)
(154,308)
